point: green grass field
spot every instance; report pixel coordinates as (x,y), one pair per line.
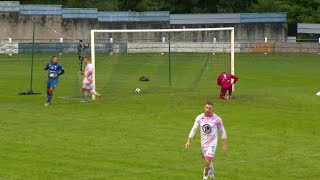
(272,123)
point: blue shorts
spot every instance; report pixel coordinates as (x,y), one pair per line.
(52,83)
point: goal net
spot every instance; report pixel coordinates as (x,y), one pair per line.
(171,59)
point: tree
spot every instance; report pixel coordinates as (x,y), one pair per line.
(307,11)
(303,11)
(151,5)
(102,5)
(234,6)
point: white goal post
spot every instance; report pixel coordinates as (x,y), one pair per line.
(93,33)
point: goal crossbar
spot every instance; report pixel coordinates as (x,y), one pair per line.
(162,30)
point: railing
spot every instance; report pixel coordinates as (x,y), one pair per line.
(70,46)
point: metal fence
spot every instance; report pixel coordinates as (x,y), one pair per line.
(104,46)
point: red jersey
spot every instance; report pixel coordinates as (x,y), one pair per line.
(224,80)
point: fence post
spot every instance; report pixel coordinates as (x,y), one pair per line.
(10,47)
(163,41)
(265,40)
(111,44)
(61,41)
(214,45)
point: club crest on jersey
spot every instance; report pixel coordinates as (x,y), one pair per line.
(206,128)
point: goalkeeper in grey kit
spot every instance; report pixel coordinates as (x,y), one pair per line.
(82,52)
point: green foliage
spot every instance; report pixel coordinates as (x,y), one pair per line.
(263,6)
(102,5)
(302,11)
(235,6)
(147,5)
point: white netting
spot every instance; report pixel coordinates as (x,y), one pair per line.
(183,59)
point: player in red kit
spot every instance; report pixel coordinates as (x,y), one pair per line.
(226,81)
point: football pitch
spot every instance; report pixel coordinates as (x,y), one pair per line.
(272,123)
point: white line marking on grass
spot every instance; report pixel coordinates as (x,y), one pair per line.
(271,159)
(75,97)
(69,97)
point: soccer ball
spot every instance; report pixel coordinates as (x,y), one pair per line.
(318,93)
(138,90)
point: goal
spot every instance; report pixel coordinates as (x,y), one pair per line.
(173,59)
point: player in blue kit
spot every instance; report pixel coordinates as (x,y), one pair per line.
(54,70)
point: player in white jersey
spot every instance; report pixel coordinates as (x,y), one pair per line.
(209,124)
(87,83)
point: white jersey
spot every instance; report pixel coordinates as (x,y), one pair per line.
(209,127)
(88,74)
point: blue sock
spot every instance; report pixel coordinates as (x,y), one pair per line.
(49,96)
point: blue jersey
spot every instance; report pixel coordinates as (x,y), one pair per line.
(54,69)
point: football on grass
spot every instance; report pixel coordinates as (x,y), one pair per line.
(138,90)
